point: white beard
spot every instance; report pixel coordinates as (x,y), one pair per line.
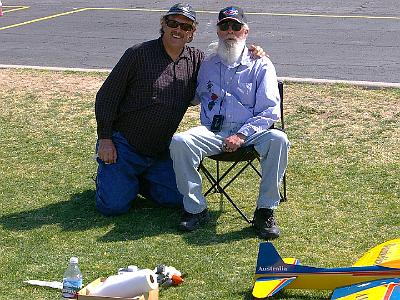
(230,51)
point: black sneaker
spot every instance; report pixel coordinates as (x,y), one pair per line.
(265,223)
(190,222)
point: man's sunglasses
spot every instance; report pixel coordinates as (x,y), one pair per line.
(176,24)
(234,25)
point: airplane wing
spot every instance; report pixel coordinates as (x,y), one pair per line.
(386,254)
(292,261)
(382,289)
(268,286)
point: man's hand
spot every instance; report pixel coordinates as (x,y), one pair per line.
(106,151)
(257,51)
(233,142)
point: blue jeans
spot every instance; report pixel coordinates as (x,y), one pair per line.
(117,185)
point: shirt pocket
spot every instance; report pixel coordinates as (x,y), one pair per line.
(245,87)
(245,93)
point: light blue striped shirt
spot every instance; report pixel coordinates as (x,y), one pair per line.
(246,93)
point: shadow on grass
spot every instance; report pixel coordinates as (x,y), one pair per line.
(74,215)
(208,235)
(143,220)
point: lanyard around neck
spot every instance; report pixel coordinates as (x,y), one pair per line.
(227,84)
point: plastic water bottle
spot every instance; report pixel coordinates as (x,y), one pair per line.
(72,280)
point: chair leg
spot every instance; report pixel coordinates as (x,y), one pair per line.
(239,172)
(284,197)
(216,185)
(237,208)
(217,188)
(210,178)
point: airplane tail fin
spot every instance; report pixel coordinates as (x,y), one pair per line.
(268,256)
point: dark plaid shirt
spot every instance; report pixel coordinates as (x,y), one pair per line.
(146,95)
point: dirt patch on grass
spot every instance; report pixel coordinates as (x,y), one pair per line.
(48,82)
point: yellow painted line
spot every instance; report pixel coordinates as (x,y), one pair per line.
(79,10)
(14,9)
(200,11)
(45,18)
(128,9)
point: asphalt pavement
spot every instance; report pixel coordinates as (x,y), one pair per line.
(340,40)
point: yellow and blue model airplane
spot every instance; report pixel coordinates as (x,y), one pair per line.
(376,275)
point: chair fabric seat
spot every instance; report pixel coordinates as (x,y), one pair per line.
(243,154)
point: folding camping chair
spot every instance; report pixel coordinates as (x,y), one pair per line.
(246,157)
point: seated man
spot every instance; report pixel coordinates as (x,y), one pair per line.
(239,102)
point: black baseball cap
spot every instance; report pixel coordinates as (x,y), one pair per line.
(184,10)
(234,13)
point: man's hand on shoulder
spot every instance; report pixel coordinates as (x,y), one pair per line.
(257,52)
(107,151)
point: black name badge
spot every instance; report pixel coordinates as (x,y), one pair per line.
(216,124)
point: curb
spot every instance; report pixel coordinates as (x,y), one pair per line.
(368,84)
(54,68)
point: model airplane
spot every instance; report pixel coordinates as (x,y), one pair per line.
(375,276)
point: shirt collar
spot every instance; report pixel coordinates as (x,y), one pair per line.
(184,54)
(246,58)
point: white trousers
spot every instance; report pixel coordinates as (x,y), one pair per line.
(190,147)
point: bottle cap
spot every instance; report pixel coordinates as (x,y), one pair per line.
(132,268)
(73,260)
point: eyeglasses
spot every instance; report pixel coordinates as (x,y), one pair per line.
(176,24)
(234,25)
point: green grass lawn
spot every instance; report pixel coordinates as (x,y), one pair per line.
(343,192)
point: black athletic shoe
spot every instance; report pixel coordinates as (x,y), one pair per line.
(190,222)
(265,223)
